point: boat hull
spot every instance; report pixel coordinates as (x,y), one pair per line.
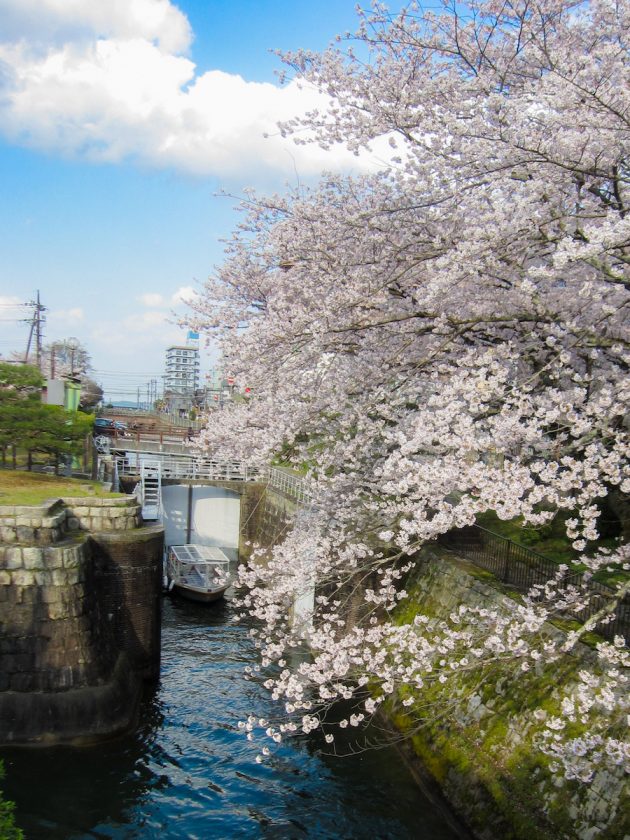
(202,596)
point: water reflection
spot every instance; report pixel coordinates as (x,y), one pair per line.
(187,772)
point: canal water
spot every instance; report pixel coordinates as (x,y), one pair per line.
(188,772)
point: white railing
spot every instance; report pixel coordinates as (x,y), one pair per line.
(212,469)
(207,469)
(151,489)
(291,485)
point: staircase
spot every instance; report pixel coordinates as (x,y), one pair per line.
(151,489)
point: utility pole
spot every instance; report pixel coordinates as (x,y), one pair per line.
(38,333)
(36,327)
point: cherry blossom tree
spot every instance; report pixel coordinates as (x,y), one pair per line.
(443,336)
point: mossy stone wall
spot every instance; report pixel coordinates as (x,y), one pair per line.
(79,618)
(478,737)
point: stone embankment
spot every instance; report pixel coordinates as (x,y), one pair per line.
(479,741)
(478,744)
(80,584)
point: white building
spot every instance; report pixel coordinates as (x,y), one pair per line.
(181,379)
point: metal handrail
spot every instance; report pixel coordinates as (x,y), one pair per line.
(292,485)
(522,567)
(208,469)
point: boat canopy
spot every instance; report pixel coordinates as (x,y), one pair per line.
(199,554)
(202,570)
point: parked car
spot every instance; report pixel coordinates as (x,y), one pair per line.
(103,426)
(113,428)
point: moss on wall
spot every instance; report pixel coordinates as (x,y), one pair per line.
(480,746)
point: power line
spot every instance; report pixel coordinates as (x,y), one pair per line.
(139,374)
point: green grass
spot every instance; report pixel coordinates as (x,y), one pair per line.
(24,488)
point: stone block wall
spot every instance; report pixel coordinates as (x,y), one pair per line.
(483,752)
(266,516)
(95,515)
(75,642)
(43,525)
(46,643)
(48,523)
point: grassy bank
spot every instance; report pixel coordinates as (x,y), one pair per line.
(27,488)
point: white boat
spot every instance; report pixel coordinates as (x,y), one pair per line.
(198,572)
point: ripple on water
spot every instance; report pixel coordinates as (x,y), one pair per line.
(188,772)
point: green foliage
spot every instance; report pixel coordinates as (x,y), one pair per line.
(20,398)
(8,828)
(20,380)
(551,538)
(27,423)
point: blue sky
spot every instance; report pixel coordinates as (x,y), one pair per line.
(120,120)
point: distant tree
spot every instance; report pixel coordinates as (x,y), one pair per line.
(91,394)
(68,357)
(20,396)
(55,431)
(65,357)
(19,380)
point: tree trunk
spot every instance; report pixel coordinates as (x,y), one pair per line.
(620,505)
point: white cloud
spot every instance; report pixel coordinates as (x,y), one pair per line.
(185,295)
(151,299)
(118,341)
(65,317)
(158,21)
(106,80)
(142,338)
(142,321)
(11,306)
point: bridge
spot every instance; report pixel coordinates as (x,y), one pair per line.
(178,459)
(172,442)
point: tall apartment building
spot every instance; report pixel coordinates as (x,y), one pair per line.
(181,378)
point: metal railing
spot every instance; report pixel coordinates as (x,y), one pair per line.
(208,469)
(212,469)
(522,568)
(292,485)
(171,418)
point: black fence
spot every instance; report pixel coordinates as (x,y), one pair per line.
(520,567)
